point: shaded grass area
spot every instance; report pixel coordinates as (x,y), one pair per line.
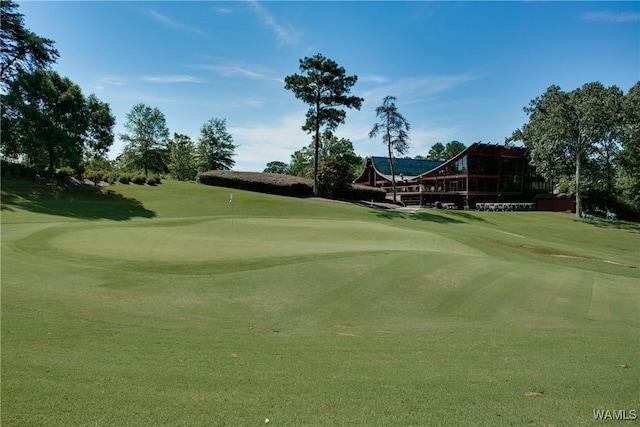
(72,201)
(336,316)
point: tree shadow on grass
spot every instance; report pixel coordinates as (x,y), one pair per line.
(74,201)
(442,217)
(632,227)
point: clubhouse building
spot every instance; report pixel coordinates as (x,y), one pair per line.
(482,175)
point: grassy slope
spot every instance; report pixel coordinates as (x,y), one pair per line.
(155,305)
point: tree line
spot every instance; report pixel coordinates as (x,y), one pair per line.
(48,123)
(586,141)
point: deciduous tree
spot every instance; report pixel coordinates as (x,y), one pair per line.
(47,121)
(565,130)
(629,156)
(21,49)
(332,149)
(325,87)
(182,163)
(394,129)
(148,136)
(215,146)
(277,167)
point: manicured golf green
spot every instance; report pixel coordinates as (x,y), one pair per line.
(168,305)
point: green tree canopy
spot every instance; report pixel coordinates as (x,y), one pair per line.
(325,87)
(452,149)
(629,156)
(332,149)
(47,121)
(215,146)
(182,163)
(277,167)
(21,49)
(147,138)
(437,152)
(566,130)
(394,129)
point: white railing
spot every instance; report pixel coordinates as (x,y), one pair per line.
(504,207)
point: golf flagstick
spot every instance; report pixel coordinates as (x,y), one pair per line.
(231,202)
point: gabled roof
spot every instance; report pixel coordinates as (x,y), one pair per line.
(408,168)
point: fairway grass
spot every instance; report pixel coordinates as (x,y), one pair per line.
(139,306)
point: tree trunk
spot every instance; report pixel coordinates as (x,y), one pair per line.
(393,175)
(578,195)
(317,150)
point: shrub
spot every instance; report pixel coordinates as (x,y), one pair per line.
(271,183)
(154,179)
(363,192)
(124,178)
(64,173)
(139,179)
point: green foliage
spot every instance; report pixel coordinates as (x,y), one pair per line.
(394,129)
(629,156)
(215,146)
(22,50)
(182,160)
(47,120)
(452,149)
(139,179)
(566,130)
(437,152)
(125,178)
(277,167)
(331,149)
(64,173)
(324,86)
(98,136)
(11,169)
(154,179)
(147,139)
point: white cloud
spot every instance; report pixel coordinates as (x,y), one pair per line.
(261,143)
(172,79)
(373,78)
(233,70)
(174,24)
(610,17)
(286,34)
(224,10)
(414,89)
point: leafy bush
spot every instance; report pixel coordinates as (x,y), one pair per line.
(111,177)
(10,169)
(94,175)
(363,192)
(139,179)
(64,173)
(124,178)
(154,179)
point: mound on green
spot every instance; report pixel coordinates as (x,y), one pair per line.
(169,305)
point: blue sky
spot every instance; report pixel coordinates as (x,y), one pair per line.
(459,70)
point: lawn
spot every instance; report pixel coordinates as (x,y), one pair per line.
(138,306)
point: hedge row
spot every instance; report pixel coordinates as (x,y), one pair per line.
(270,183)
(283,185)
(112,177)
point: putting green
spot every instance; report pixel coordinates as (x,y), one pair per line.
(214,240)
